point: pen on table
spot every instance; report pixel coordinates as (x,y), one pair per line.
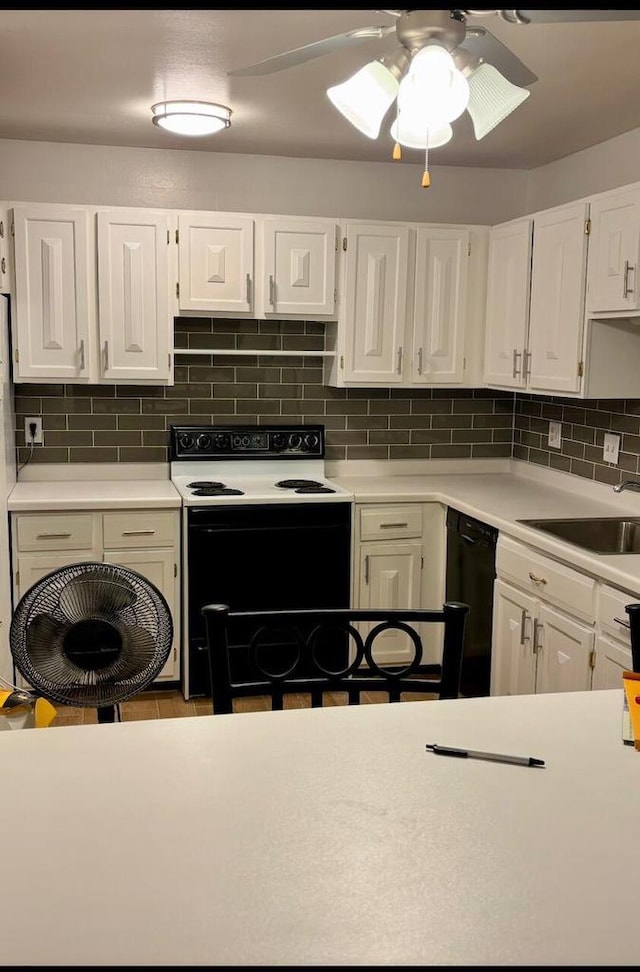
(476,754)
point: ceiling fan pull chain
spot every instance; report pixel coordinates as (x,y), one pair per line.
(397,151)
(426,178)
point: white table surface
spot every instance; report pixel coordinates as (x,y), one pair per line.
(325,837)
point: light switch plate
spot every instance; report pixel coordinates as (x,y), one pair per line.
(611,447)
(555,435)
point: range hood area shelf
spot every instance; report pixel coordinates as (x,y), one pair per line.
(251,352)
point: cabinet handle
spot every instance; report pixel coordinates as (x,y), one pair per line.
(272,291)
(523,623)
(399,367)
(81,353)
(138,533)
(626,289)
(419,361)
(625,624)
(537,647)
(395,526)
(249,289)
(527,360)
(3,265)
(366,569)
(53,536)
(536,579)
(516,354)
(106,355)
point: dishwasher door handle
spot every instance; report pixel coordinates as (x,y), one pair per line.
(467,538)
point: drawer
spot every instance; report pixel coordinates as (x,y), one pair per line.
(54,531)
(139,528)
(390,522)
(547,579)
(612,617)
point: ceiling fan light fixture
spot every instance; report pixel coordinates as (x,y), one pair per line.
(191,118)
(491,98)
(434,88)
(415,137)
(365,97)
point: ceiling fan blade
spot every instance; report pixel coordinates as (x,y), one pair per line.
(567,16)
(309,51)
(481,43)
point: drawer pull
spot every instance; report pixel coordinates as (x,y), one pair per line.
(625,624)
(53,536)
(393,526)
(536,579)
(138,533)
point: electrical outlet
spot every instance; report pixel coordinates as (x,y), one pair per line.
(555,435)
(611,447)
(33,431)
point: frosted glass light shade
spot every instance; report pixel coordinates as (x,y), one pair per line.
(191,117)
(434,89)
(412,136)
(364,98)
(491,99)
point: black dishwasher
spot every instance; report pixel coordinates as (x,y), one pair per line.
(471,571)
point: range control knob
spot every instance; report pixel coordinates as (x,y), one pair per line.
(185,441)
(204,441)
(279,442)
(310,442)
(295,440)
(221,441)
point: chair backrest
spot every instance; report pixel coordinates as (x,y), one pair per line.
(278,653)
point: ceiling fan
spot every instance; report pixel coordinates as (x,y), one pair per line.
(440,67)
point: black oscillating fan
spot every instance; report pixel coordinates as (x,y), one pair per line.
(91,634)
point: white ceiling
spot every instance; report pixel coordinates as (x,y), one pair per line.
(91,76)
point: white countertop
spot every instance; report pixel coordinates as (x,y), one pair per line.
(326,837)
(125,494)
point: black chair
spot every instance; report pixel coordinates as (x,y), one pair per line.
(279,653)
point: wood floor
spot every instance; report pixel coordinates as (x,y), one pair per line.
(170,704)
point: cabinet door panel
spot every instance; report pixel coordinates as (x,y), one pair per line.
(564,653)
(439,305)
(390,578)
(556,316)
(611,661)
(299,268)
(513,661)
(376,279)
(613,253)
(136,325)
(508,286)
(52,312)
(215,256)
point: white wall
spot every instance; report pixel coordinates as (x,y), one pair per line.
(117,176)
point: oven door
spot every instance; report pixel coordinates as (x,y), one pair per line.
(264,557)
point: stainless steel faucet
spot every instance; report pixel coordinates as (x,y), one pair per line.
(626,484)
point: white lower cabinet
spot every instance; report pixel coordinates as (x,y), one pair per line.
(613,642)
(146,541)
(537,645)
(399,563)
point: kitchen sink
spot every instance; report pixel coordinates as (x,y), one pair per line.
(606,535)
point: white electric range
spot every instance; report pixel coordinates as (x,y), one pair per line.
(263,527)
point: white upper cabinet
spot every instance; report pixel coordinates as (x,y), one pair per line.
(437,353)
(404,306)
(508,290)
(614,250)
(215,263)
(556,316)
(298,272)
(53,312)
(135,311)
(5,255)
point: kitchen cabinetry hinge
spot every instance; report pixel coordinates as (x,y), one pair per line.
(422,563)
(335,296)
(344,243)
(587,227)
(177,290)
(13,229)
(17,355)
(175,570)
(177,236)
(469,249)
(17,578)
(168,237)
(592,658)
(580,369)
(2,228)
(341,362)
(175,653)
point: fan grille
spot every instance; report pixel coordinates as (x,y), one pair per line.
(91,634)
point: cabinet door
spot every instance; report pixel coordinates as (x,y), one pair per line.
(53,313)
(513,660)
(556,315)
(390,578)
(611,660)
(613,253)
(135,314)
(507,321)
(160,567)
(215,257)
(439,305)
(299,267)
(375,303)
(564,649)
(5,276)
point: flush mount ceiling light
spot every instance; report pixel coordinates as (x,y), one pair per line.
(191,117)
